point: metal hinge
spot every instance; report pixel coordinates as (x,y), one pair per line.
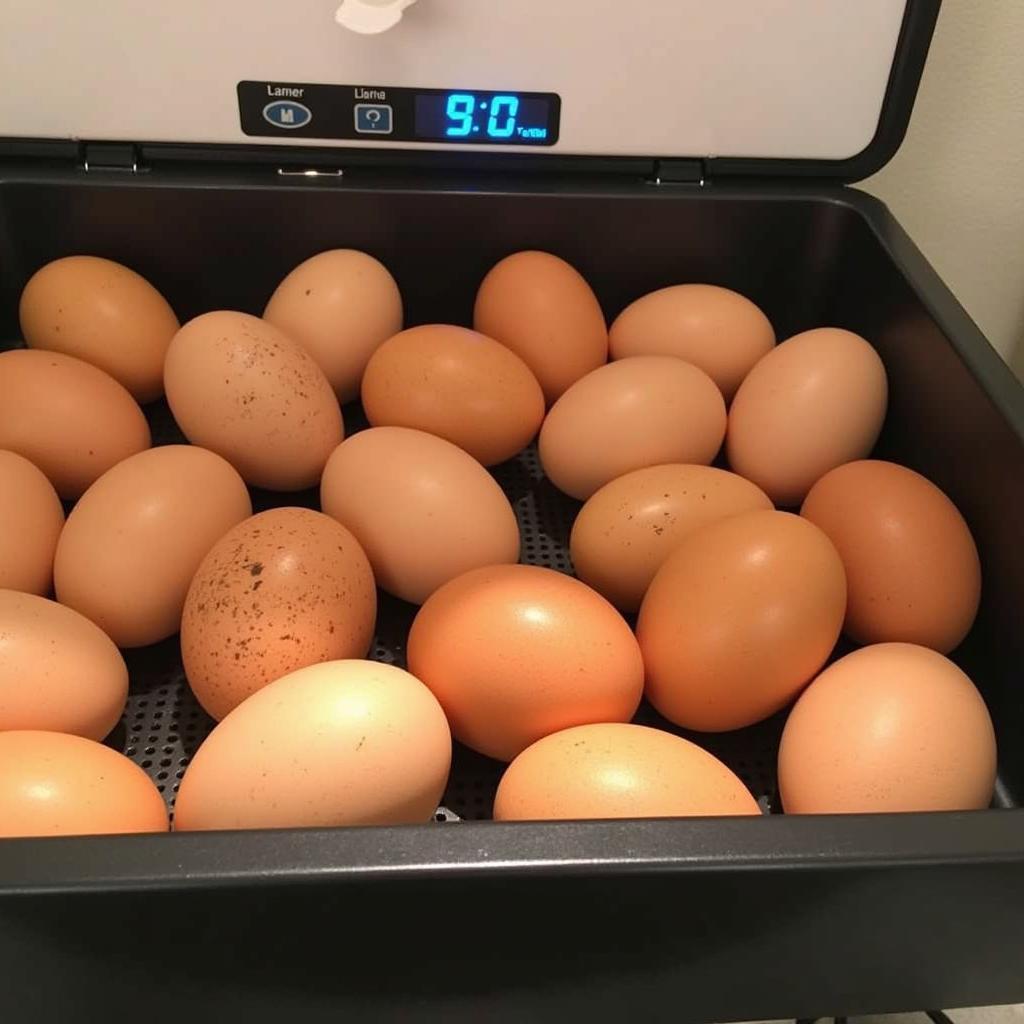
(678,172)
(110,156)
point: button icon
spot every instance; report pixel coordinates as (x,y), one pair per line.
(373,119)
(287,114)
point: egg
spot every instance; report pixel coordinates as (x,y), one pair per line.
(457,384)
(912,568)
(423,510)
(135,539)
(242,388)
(282,590)
(104,313)
(58,671)
(628,527)
(615,770)
(892,727)
(641,411)
(739,619)
(339,306)
(814,402)
(69,419)
(343,743)
(714,328)
(542,308)
(55,784)
(516,652)
(31,518)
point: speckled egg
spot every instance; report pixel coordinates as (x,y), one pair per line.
(282,590)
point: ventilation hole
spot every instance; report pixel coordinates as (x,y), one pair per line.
(166,763)
(161,776)
(131,752)
(146,764)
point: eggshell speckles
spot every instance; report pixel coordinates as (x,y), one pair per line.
(282,590)
(242,388)
(343,743)
(31,518)
(893,727)
(616,770)
(516,652)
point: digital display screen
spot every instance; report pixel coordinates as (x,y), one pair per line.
(487,117)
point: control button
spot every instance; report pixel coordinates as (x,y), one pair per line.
(287,114)
(373,118)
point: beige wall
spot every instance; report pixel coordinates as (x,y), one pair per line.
(957,183)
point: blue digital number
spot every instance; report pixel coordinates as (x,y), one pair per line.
(460,108)
(509,105)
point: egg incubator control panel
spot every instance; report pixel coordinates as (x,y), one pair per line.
(456,116)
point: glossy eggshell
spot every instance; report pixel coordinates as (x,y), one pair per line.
(457,384)
(343,743)
(423,510)
(615,770)
(892,727)
(714,328)
(627,529)
(104,313)
(541,307)
(642,411)
(339,306)
(912,568)
(55,784)
(66,417)
(739,619)
(287,588)
(240,387)
(135,539)
(514,653)
(58,671)
(31,518)
(814,402)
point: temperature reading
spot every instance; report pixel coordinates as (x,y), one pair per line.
(487,117)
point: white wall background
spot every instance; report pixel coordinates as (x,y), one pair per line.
(957,183)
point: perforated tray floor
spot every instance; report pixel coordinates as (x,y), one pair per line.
(163,724)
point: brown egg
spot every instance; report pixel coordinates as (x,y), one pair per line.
(912,570)
(457,384)
(636,412)
(240,387)
(739,619)
(58,671)
(627,529)
(68,418)
(894,727)
(516,652)
(541,308)
(282,590)
(714,328)
(55,784)
(103,313)
(616,770)
(343,743)
(339,306)
(814,402)
(135,539)
(31,518)
(422,509)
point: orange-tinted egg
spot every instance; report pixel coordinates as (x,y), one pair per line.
(516,652)
(739,619)
(642,411)
(55,784)
(628,528)
(457,384)
(31,518)
(616,770)
(912,568)
(714,328)
(541,307)
(893,727)
(287,588)
(814,402)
